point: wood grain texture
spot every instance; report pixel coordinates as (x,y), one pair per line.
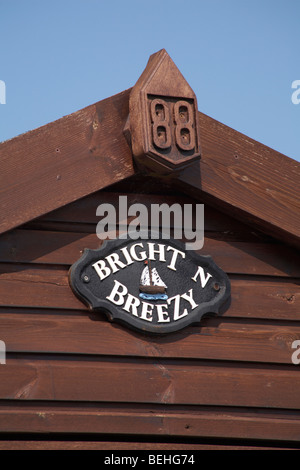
(80,216)
(167,138)
(60,332)
(153,420)
(63,161)
(70,373)
(246,179)
(128,445)
(235,257)
(48,287)
(86,151)
(150,381)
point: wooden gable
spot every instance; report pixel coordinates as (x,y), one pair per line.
(74,380)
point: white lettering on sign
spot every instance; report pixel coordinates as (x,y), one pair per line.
(177,314)
(175,307)
(101,269)
(203,279)
(150,285)
(145,311)
(156,251)
(174,257)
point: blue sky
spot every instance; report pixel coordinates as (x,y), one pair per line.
(239,56)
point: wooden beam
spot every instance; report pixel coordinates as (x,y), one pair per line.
(246,179)
(141,420)
(64,248)
(63,161)
(86,151)
(143,381)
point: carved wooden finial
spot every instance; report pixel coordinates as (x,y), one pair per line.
(163,118)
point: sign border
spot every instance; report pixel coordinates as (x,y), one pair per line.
(80,287)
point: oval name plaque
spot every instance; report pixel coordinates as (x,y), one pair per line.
(152,285)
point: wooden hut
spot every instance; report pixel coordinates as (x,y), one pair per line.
(72,379)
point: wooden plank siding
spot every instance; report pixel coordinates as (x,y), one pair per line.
(63,161)
(246,179)
(86,151)
(70,374)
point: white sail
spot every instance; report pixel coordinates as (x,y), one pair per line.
(156,280)
(145,278)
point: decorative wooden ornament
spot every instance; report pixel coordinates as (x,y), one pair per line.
(163,118)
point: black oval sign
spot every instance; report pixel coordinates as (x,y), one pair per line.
(153,285)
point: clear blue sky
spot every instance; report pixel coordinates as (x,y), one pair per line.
(239,56)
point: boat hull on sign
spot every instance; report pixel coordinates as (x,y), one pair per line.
(145,296)
(153,289)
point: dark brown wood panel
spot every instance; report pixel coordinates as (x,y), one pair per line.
(69,369)
(48,287)
(153,381)
(234,257)
(115,445)
(21,285)
(263,298)
(246,179)
(84,210)
(140,420)
(70,373)
(86,151)
(80,216)
(63,161)
(216,338)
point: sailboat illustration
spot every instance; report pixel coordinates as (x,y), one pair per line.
(152,286)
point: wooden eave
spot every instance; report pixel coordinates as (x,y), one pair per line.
(79,154)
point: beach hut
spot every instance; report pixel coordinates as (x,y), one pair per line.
(74,373)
